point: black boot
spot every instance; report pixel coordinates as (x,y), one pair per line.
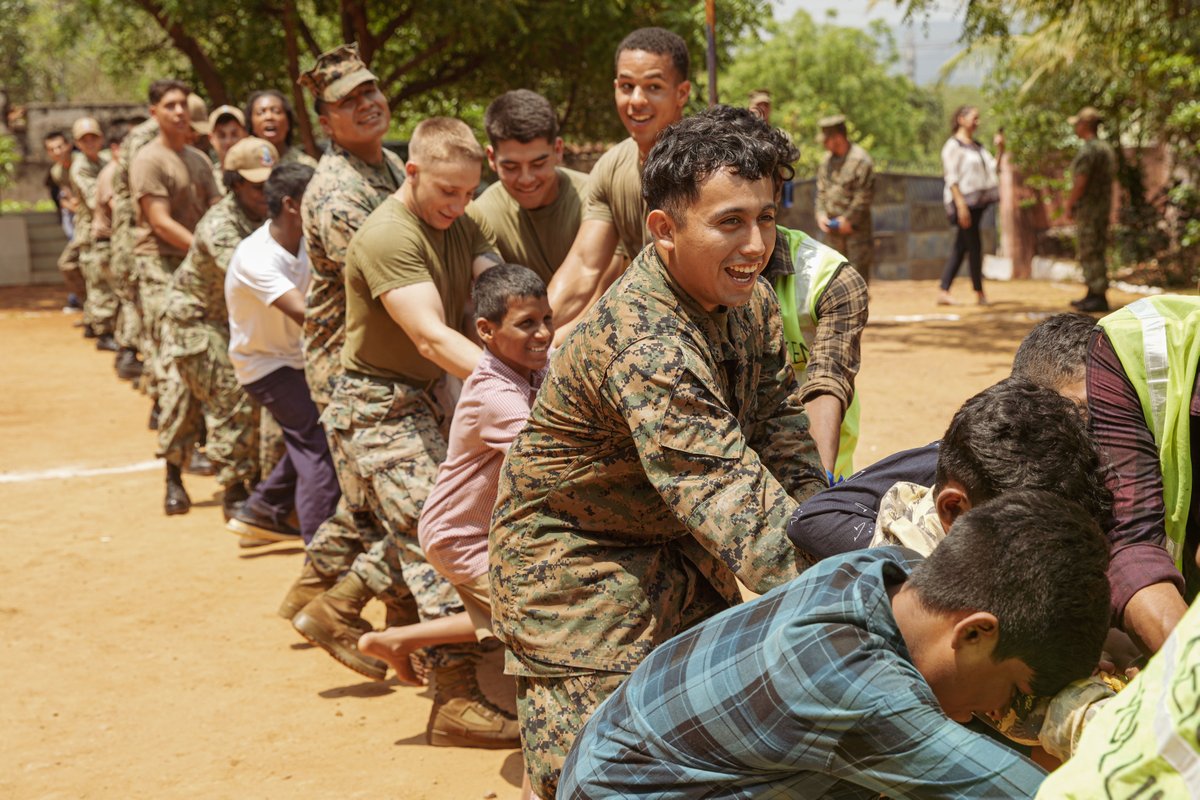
(107,342)
(127,365)
(177,500)
(231,503)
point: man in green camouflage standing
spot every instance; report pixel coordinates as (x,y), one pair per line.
(128,332)
(354,176)
(663,459)
(201,384)
(100,308)
(845,189)
(1090,204)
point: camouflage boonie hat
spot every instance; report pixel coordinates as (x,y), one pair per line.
(336,73)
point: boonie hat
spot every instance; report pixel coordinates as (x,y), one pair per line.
(225,111)
(1086,114)
(336,73)
(198,111)
(252,158)
(85,126)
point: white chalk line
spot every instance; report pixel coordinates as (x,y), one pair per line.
(66,473)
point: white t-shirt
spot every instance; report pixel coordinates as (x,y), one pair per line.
(263,339)
(971,166)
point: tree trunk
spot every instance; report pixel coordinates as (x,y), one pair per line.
(293,69)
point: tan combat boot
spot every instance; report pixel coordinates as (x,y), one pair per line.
(463,717)
(310,584)
(333,620)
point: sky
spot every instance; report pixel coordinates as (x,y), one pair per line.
(933,42)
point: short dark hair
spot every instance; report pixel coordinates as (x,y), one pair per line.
(287,110)
(661,42)
(1036,561)
(753,125)
(521,115)
(160,88)
(117,133)
(54,135)
(1018,435)
(1054,352)
(694,148)
(501,283)
(286,180)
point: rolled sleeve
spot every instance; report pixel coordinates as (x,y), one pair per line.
(836,354)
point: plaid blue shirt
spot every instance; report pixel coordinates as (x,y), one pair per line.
(807,692)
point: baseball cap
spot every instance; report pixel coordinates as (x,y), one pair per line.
(85,126)
(1086,114)
(225,111)
(252,158)
(198,112)
(336,73)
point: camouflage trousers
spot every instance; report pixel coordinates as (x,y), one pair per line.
(858,248)
(387,446)
(201,387)
(100,309)
(1091,242)
(68,265)
(551,712)
(154,278)
(128,331)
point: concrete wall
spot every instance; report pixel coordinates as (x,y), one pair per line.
(912,236)
(30,245)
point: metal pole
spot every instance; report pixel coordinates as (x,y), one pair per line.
(710,31)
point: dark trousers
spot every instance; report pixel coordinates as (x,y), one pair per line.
(304,478)
(967,242)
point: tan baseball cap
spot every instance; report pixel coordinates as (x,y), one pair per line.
(252,158)
(225,111)
(336,73)
(85,126)
(198,111)
(1086,114)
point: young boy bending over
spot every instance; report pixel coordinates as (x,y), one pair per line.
(513,322)
(850,680)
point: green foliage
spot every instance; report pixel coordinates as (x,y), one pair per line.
(10,157)
(815,70)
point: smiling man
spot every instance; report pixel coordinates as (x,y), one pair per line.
(534,210)
(664,455)
(651,88)
(850,681)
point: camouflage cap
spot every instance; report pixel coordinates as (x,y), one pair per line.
(252,158)
(198,112)
(336,73)
(85,126)
(1086,114)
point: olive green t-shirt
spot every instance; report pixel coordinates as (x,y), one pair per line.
(184,178)
(616,196)
(394,248)
(538,238)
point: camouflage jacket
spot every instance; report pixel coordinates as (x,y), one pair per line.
(1096,161)
(846,187)
(196,297)
(82,178)
(908,517)
(123,216)
(664,455)
(344,190)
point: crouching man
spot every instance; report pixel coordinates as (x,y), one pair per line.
(851,680)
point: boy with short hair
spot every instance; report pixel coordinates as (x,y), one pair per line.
(850,681)
(535,208)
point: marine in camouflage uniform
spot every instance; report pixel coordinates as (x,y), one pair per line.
(201,385)
(129,329)
(845,190)
(661,462)
(1092,171)
(344,190)
(100,309)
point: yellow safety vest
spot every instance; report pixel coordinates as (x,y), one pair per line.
(1157,340)
(799,293)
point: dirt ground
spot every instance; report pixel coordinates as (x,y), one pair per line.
(141,655)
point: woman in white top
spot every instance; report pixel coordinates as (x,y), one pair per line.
(971,186)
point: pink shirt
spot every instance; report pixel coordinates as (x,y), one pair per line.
(491,411)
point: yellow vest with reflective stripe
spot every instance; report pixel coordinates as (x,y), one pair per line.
(1157,340)
(799,293)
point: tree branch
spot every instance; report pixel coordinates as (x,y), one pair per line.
(393,25)
(398,72)
(443,78)
(186,44)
